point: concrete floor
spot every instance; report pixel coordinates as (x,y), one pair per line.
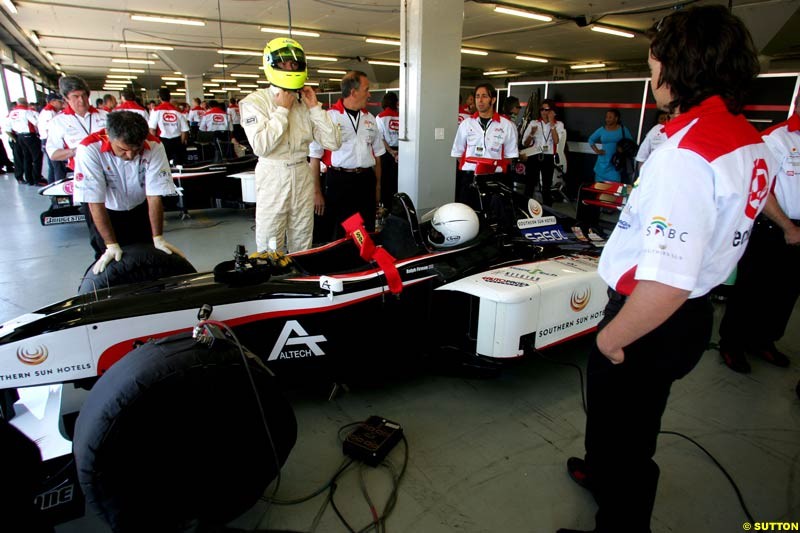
(485,455)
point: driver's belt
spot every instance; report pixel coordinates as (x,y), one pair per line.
(354,226)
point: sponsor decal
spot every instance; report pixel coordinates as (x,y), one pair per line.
(660,227)
(759,181)
(35,356)
(218,118)
(525,223)
(394,124)
(580,298)
(250,120)
(69,187)
(359,237)
(546,234)
(62,494)
(169,117)
(163,173)
(412,270)
(79,176)
(623,224)
(519,168)
(295,343)
(51,221)
(534,208)
(501,281)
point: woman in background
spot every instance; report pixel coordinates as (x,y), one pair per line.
(608,135)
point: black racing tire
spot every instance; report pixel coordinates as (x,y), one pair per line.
(140,262)
(172,433)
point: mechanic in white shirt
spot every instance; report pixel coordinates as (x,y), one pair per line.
(485,143)
(652,140)
(171,126)
(56,170)
(546,133)
(21,124)
(76,121)
(767,281)
(681,233)
(121,173)
(130,104)
(353,178)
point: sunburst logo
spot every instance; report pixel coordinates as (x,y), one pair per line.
(580,298)
(660,225)
(36,356)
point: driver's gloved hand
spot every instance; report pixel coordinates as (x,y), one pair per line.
(113,253)
(164,246)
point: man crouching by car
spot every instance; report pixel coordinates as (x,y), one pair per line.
(121,173)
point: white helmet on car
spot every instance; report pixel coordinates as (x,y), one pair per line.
(452,225)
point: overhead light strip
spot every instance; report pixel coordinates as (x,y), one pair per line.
(495,72)
(374,40)
(220,65)
(244,75)
(134,70)
(322,58)
(387,63)
(168,20)
(10,6)
(612,31)
(521,13)
(239,52)
(171,78)
(589,65)
(283,31)
(474,52)
(326,71)
(532,58)
(34,38)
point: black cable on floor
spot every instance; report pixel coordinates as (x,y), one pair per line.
(663,432)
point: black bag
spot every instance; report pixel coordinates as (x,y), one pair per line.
(624,158)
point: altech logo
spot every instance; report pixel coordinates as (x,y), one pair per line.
(580,299)
(301,338)
(37,356)
(759,182)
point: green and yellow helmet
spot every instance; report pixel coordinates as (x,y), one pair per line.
(285,63)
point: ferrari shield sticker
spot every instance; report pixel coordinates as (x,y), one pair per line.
(295,343)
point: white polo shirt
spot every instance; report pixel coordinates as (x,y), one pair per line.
(497,143)
(67,129)
(361,140)
(45,116)
(102,177)
(389,126)
(543,135)
(689,217)
(22,120)
(215,119)
(654,138)
(783,140)
(168,121)
(133,107)
(233,115)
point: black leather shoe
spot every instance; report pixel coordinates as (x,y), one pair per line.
(769,353)
(735,360)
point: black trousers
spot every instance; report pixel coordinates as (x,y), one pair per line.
(19,163)
(388,179)
(30,148)
(176,150)
(347,193)
(766,289)
(535,165)
(625,405)
(129,226)
(467,192)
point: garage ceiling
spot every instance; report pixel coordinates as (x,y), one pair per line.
(86,37)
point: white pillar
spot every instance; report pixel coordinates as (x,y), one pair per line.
(430,72)
(194,88)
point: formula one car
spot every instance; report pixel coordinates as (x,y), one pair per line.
(200,186)
(358,304)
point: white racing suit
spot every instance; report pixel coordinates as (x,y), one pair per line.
(284,184)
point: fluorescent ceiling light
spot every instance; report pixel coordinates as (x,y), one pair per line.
(147,46)
(171,78)
(612,31)
(168,20)
(179,91)
(382,41)
(589,65)
(387,63)
(49,56)
(474,52)
(223,80)
(335,79)
(521,13)
(171,82)
(178,72)
(220,90)
(10,6)
(121,76)
(211,85)
(34,38)
(208,94)
(239,52)
(220,65)
(531,58)
(312,83)
(134,61)
(248,85)
(322,58)
(326,71)
(263,82)
(244,75)
(495,72)
(143,89)
(293,32)
(137,70)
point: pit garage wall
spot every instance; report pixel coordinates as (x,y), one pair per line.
(582,105)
